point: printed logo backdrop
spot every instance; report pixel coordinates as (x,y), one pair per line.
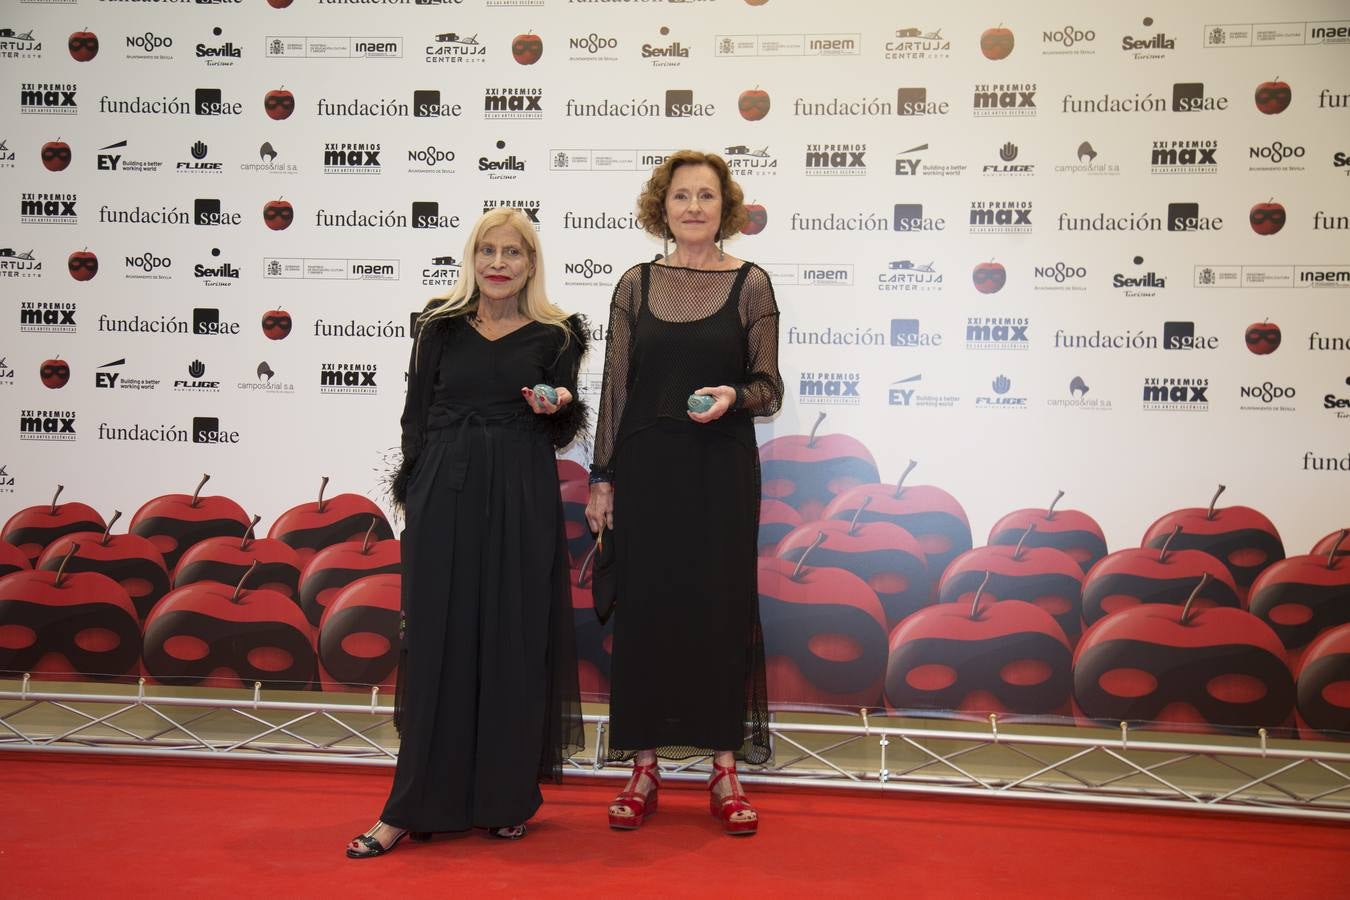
(1100,254)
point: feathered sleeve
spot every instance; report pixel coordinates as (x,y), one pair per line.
(570,422)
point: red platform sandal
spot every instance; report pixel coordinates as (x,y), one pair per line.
(639,806)
(726,807)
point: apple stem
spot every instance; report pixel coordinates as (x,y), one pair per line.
(1331,557)
(107,532)
(1050,513)
(61,569)
(811,438)
(248,531)
(975,603)
(853,525)
(801,560)
(1162,554)
(238,588)
(586,564)
(1186,610)
(59,489)
(201,484)
(1209,516)
(365,544)
(1017,553)
(900,485)
(322,485)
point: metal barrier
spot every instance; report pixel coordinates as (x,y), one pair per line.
(1248,776)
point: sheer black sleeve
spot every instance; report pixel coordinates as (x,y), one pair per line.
(570,421)
(761,394)
(618,361)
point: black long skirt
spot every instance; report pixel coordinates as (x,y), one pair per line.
(488,694)
(688,654)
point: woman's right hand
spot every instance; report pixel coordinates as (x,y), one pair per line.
(600,507)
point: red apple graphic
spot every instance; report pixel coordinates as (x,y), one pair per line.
(359,641)
(1273,97)
(278,214)
(1238,536)
(1070,530)
(757,219)
(226,559)
(276,324)
(824,636)
(1139,575)
(575,490)
(1005,657)
(989,277)
(1302,596)
(67,625)
(279,104)
(776,519)
(935,518)
(1159,663)
(32,528)
(129,559)
(54,373)
(175,522)
(12,559)
(1263,337)
(595,642)
(55,155)
(1323,686)
(753,104)
(527,49)
(806,472)
(309,527)
(338,565)
(1329,543)
(279,4)
(1042,576)
(996,43)
(83,46)
(881,553)
(82,265)
(215,635)
(1267,218)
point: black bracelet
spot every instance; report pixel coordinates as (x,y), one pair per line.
(600,478)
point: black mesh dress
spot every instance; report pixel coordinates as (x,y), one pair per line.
(688,655)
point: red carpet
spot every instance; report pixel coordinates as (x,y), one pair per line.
(123,828)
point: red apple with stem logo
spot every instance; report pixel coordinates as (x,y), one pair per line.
(82,265)
(212,634)
(32,528)
(1329,543)
(83,45)
(1140,575)
(595,641)
(277,324)
(1263,338)
(129,559)
(279,104)
(55,155)
(279,4)
(1323,686)
(1160,664)
(1273,97)
(753,104)
(1042,576)
(359,641)
(174,522)
(935,518)
(757,219)
(1238,536)
(278,214)
(226,559)
(1300,597)
(1267,218)
(1073,531)
(996,43)
(54,373)
(1004,657)
(776,519)
(807,471)
(989,277)
(309,527)
(338,565)
(527,49)
(12,559)
(881,553)
(824,635)
(67,625)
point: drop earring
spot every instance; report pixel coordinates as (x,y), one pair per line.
(720,254)
(665,243)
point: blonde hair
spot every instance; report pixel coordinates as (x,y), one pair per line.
(533,302)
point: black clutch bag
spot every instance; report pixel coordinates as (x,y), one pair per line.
(604,587)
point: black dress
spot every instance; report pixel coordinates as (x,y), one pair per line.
(488,689)
(687,671)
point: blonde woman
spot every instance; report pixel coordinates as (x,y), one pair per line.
(488,703)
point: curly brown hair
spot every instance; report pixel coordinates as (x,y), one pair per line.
(651,205)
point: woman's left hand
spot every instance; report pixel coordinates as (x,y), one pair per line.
(543,407)
(723,396)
